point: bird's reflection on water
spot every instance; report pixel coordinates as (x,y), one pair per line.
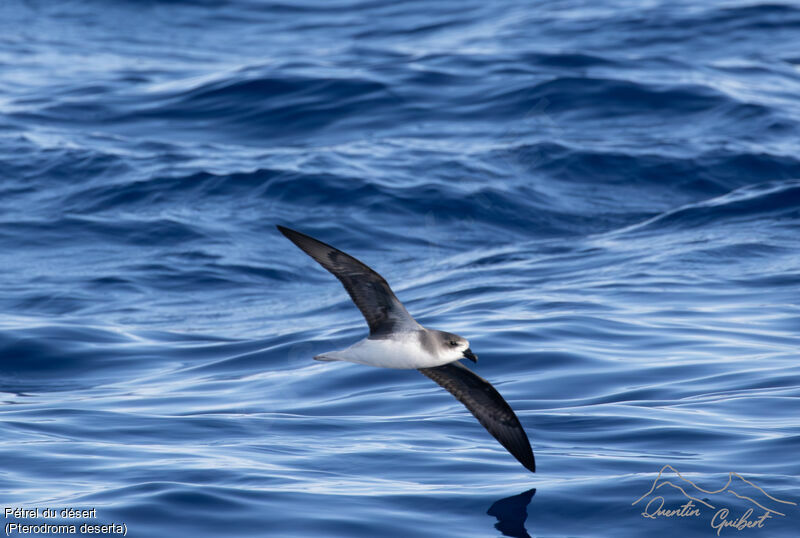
(511,514)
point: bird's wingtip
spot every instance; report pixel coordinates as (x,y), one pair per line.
(531,467)
(288,233)
(526,458)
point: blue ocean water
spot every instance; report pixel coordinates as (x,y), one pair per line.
(604,197)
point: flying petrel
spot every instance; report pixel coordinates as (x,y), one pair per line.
(396,340)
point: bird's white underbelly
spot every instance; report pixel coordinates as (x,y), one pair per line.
(404,352)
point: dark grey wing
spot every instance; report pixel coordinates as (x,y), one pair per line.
(491,410)
(370,292)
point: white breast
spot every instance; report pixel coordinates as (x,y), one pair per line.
(404,351)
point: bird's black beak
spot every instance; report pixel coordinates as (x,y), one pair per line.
(468,354)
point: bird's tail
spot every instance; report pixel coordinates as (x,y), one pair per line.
(328,356)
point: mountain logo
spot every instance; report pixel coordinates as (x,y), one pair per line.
(758,501)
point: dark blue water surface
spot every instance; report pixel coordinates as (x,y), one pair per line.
(603,196)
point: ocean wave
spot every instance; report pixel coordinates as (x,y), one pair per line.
(774,200)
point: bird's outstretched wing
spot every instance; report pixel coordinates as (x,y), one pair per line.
(370,292)
(491,410)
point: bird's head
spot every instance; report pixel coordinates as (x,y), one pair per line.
(452,345)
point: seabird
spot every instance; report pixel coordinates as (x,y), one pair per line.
(396,340)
